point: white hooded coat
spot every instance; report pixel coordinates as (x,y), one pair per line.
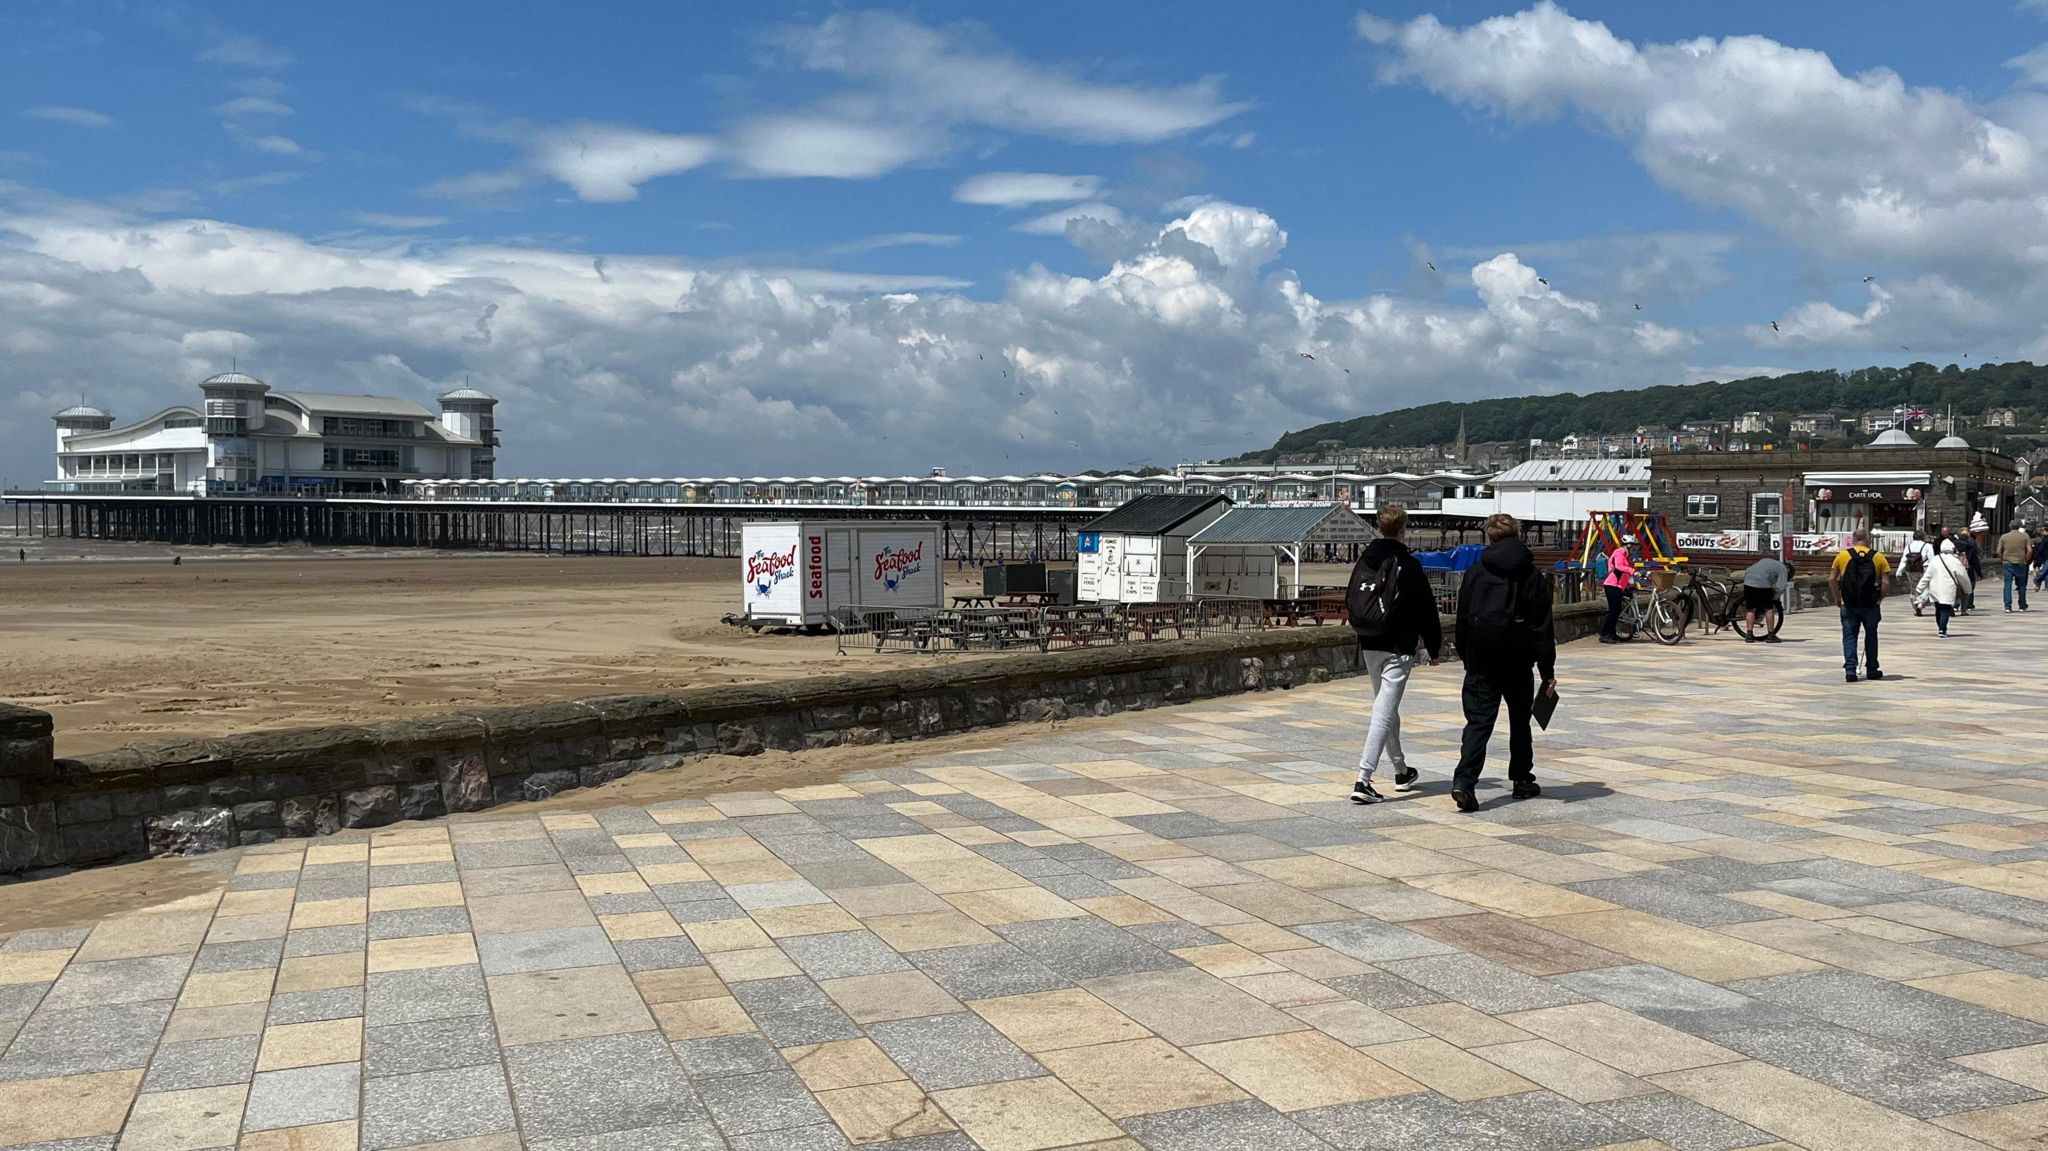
(1947,579)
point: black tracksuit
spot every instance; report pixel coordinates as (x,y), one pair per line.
(1497,670)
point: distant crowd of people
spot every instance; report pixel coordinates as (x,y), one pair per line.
(1505,641)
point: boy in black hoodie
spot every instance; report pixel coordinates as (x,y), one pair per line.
(1503,630)
(1389,650)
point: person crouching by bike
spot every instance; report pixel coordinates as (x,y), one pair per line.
(1621,576)
(1946,583)
(1765,585)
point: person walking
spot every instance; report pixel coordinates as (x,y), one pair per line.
(1920,553)
(1943,585)
(1393,611)
(2014,550)
(1973,557)
(2041,557)
(1857,581)
(1621,576)
(1765,585)
(1503,631)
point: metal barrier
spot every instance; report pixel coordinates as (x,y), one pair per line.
(934,631)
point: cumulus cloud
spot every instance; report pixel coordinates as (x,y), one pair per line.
(1054,223)
(1861,168)
(1018,189)
(62,114)
(1187,342)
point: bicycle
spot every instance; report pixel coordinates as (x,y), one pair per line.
(1656,614)
(1717,603)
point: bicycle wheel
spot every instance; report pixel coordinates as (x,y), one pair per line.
(1667,622)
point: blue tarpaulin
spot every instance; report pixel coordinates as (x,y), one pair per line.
(1456,559)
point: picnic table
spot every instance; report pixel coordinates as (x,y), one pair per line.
(1078,626)
(972,601)
(1150,619)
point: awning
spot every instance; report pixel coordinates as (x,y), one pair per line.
(1872,478)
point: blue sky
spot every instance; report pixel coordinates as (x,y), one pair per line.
(689,238)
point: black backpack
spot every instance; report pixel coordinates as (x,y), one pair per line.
(1372,595)
(1859,580)
(1493,609)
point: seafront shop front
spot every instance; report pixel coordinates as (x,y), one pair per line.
(1738,504)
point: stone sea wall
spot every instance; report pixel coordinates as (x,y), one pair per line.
(207,794)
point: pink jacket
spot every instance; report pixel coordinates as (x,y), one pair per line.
(1620,572)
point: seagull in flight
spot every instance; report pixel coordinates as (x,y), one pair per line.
(1306,356)
(1429,265)
(1774,325)
(1542,281)
(1639,307)
(1868,279)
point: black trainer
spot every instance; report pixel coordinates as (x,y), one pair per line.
(1527,789)
(1405,778)
(1464,799)
(1849,676)
(1363,792)
(1874,675)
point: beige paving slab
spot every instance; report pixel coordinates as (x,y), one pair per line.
(1570,1074)
(890,995)
(1851,950)
(2027,1065)
(926,931)
(1806,1113)
(452,950)
(1459,1025)
(2014,1127)
(1509,894)
(841,1063)
(1688,950)
(185,1120)
(543,1006)
(1187,1006)
(1620,1039)
(1449,1070)
(317,1137)
(2007,991)
(72,1107)
(1025,1115)
(529,911)
(311,1044)
(1303,1069)
(884,1112)
(1051,1020)
(1139,1077)
(812,919)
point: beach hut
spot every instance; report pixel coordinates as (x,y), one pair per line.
(1138,553)
(1256,552)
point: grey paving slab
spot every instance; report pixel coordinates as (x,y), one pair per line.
(727,1055)
(842,954)
(1879,1007)
(986,971)
(817,1137)
(435,1107)
(1248,1125)
(1543,1121)
(1672,902)
(658,954)
(202,1063)
(600,1084)
(1675,1000)
(429,993)
(1385,992)
(304,1096)
(1086,948)
(1682,1124)
(1405,1122)
(761,1102)
(516,952)
(956,1050)
(1903,1078)
(698,1135)
(108,1038)
(418,921)
(308,941)
(313,1006)
(1372,940)
(117,981)
(245,955)
(1481,983)
(429,1045)
(792,1010)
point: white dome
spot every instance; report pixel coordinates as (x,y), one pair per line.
(1952,440)
(1894,438)
(82,412)
(467,393)
(233,378)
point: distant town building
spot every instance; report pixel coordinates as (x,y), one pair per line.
(243,437)
(2001,418)
(1752,423)
(1564,491)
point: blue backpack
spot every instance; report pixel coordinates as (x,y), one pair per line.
(1600,568)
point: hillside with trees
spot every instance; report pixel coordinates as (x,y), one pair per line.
(1972,392)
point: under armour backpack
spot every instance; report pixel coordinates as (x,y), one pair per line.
(1859,580)
(1370,599)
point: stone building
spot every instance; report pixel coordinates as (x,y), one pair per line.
(1892,485)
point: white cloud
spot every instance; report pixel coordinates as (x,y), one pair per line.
(274,144)
(1863,168)
(922,72)
(399,223)
(2032,66)
(1187,343)
(607,163)
(477,186)
(1054,223)
(894,240)
(253,106)
(247,52)
(807,144)
(62,114)
(1018,189)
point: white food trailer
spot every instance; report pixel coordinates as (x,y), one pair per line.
(800,573)
(1138,553)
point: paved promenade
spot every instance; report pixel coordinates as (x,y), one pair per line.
(1755,907)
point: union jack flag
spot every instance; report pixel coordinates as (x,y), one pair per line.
(1916,413)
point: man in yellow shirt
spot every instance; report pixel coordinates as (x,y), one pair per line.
(1857,579)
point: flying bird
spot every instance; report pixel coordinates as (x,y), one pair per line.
(1542,281)
(1306,356)
(1639,307)
(1347,371)
(1904,348)
(1868,279)
(1774,325)
(979,356)
(1430,266)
